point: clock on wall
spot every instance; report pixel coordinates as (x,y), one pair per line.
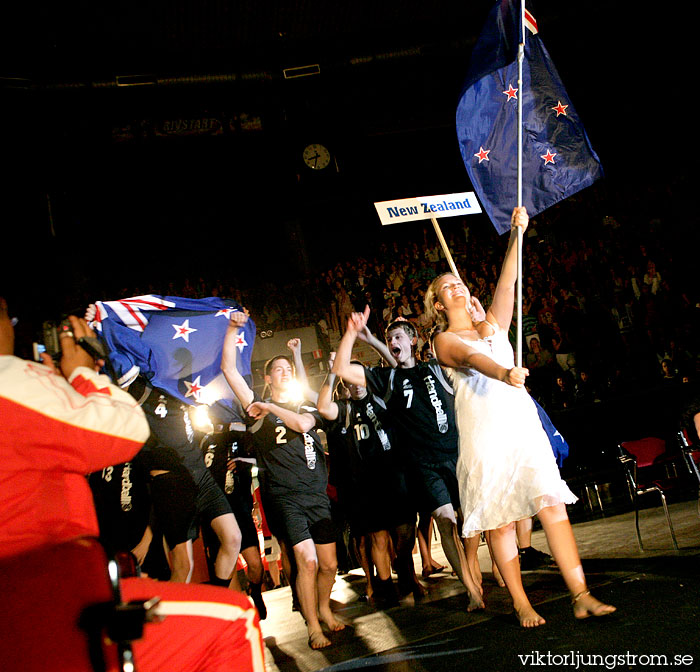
(316,156)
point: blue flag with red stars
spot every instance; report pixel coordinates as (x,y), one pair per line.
(175,343)
(558,159)
(560,447)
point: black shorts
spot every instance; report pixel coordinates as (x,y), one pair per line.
(179,497)
(296,517)
(378,504)
(174,500)
(436,484)
(211,501)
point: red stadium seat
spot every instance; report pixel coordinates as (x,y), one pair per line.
(62,610)
(642,459)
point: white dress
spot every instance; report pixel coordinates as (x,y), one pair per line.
(506,468)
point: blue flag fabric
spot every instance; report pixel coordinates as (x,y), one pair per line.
(175,343)
(558,159)
(560,447)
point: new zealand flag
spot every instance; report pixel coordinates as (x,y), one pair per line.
(174,343)
(558,159)
(560,447)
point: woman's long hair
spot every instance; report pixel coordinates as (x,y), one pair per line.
(438,319)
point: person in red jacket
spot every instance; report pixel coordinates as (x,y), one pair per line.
(61,423)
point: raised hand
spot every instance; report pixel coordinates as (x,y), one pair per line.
(238,319)
(519,218)
(72,355)
(358,321)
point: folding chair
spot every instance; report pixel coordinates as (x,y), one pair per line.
(691,458)
(643,458)
(62,610)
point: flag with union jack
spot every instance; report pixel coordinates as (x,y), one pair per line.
(558,159)
(175,343)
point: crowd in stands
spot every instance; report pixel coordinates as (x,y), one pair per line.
(609,299)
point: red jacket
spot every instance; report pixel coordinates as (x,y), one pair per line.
(52,434)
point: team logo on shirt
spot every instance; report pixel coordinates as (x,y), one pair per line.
(125,498)
(309,451)
(440,415)
(383,438)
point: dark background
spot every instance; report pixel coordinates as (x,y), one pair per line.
(91,195)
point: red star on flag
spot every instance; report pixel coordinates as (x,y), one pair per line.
(548,157)
(482,154)
(194,389)
(559,108)
(240,341)
(511,92)
(226,312)
(183,331)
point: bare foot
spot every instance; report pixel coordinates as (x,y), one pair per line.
(497,576)
(475,603)
(334,625)
(317,640)
(586,605)
(528,617)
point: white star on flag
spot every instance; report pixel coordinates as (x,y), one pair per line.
(183,331)
(226,312)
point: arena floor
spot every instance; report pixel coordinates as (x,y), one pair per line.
(657,593)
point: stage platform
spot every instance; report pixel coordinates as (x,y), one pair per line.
(657,593)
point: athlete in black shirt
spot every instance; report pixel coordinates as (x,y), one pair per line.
(293,481)
(420,402)
(372,486)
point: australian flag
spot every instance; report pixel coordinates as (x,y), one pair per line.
(558,159)
(175,344)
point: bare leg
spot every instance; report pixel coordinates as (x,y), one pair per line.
(405,537)
(425,538)
(380,554)
(562,543)
(229,534)
(274,568)
(307,570)
(494,566)
(251,555)
(471,550)
(327,568)
(361,547)
(181,560)
(523,532)
(454,552)
(505,552)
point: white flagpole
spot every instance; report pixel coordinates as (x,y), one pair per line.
(519,284)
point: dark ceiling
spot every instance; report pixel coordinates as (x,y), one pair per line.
(92,90)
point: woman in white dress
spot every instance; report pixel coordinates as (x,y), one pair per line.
(506,469)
